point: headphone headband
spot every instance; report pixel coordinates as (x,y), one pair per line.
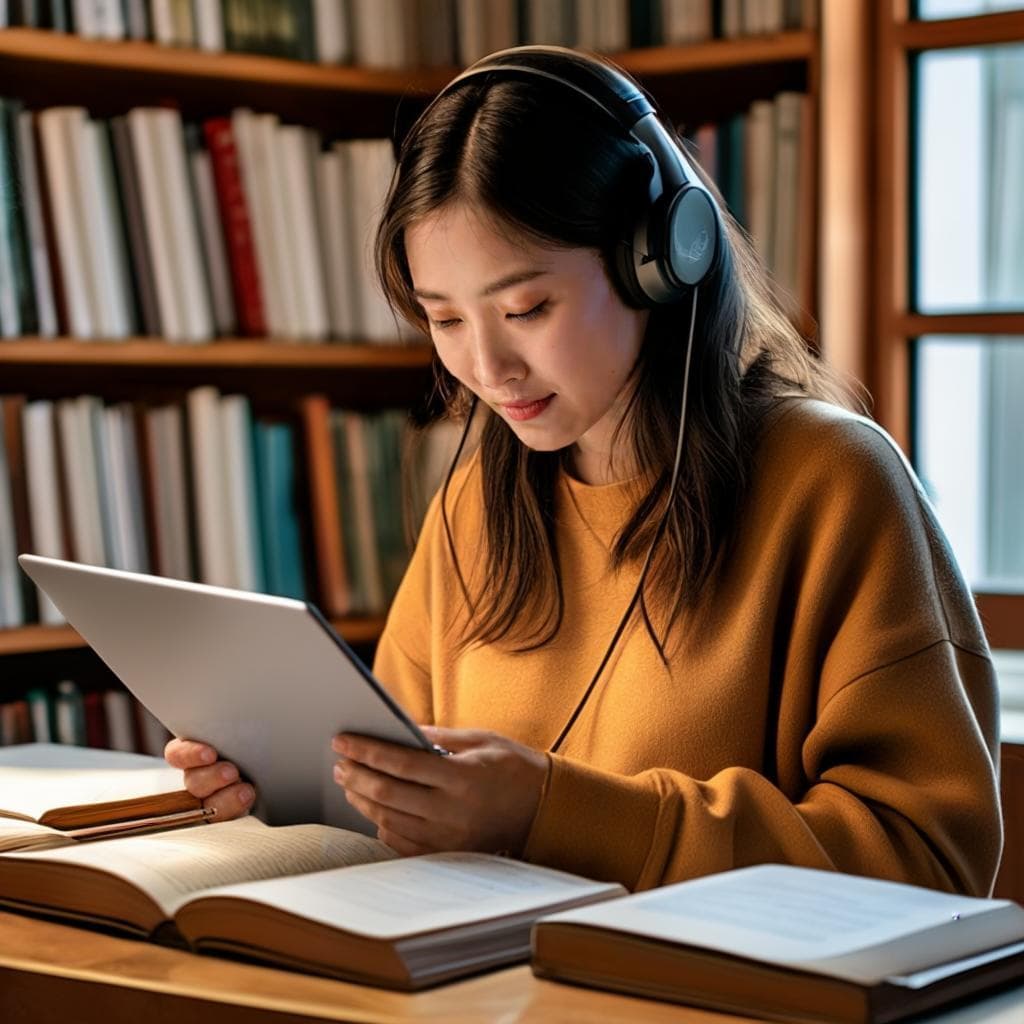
(675,244)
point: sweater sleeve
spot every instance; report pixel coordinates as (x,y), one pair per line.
(911,801)
(897,759)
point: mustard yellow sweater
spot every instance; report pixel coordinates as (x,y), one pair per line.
(831,702)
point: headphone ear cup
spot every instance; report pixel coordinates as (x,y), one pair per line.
(691,236)
(623,265)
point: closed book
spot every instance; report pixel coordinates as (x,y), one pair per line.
(210,490)
(32,197)
(241,511)
(328,543)
(40,709)
(50,791)
(332,31)
(68,716)
(56,127)
(43,488)
(156,214)
(233,207)
(791,944)
(81,465)
(13,411)
(117,706)
(356,436)
(279,509)
(15,723)
(258,189)
(214,249)
(167,492)
(17,298)
(12,609)
(298,148)
(333,192)
(139,247)
(96,732)
(182,228)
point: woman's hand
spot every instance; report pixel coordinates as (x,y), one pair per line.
(216,783)
(483,796)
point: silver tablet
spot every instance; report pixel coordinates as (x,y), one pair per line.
(265,680)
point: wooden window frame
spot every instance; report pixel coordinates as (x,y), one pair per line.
(887,359)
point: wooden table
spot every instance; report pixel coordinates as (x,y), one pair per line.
(51,972)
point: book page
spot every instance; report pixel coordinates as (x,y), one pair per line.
(419,894)
(170,865)
(861,929)
(38,777)
(27,835)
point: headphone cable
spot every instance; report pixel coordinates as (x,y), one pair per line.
(658,533)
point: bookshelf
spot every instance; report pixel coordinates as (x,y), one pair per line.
(695,83)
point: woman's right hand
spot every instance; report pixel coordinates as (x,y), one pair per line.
(217,783)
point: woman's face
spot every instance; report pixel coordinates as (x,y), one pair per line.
(538,333)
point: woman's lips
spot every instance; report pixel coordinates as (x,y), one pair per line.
(520,411)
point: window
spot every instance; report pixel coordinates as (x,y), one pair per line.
(947,352)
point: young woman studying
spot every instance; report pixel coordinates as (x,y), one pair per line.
(680,611)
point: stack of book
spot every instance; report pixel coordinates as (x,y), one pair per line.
(410,33)
(780,942)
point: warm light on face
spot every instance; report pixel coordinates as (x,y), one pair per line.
(538,333)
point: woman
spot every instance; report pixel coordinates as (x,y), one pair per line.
(680,611)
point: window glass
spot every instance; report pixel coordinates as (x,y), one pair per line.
(969,447)
(969,164)
(929,9)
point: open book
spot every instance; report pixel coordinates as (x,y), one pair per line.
(54,795)
(307,897)
(790,944)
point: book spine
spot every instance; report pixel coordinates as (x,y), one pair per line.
(328,541)
(39,257)
(233,208)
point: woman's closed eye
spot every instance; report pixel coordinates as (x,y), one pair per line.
(530,314)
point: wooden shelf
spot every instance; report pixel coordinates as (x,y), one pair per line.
(914,325)
(43,47)
(54,48)
(352,375)
(271,355)
(982,30)
(718,54)
(37,639)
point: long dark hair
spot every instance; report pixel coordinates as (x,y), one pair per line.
(558,170)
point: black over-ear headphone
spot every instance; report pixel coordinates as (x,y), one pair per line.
(675,243)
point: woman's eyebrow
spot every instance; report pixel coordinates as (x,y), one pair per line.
(517,277)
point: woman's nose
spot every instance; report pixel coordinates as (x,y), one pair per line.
(496,362)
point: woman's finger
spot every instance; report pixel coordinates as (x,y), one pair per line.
(411,829)
(181,753)
(420,766)
(231,802)
(204,782)
(386,790)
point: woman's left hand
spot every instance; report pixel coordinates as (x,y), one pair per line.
(483,796)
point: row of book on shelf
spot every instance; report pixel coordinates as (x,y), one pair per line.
(97,838)
(205,490)
(762,161)
(66,713)
(141,225)
(410,33)
(246,226)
